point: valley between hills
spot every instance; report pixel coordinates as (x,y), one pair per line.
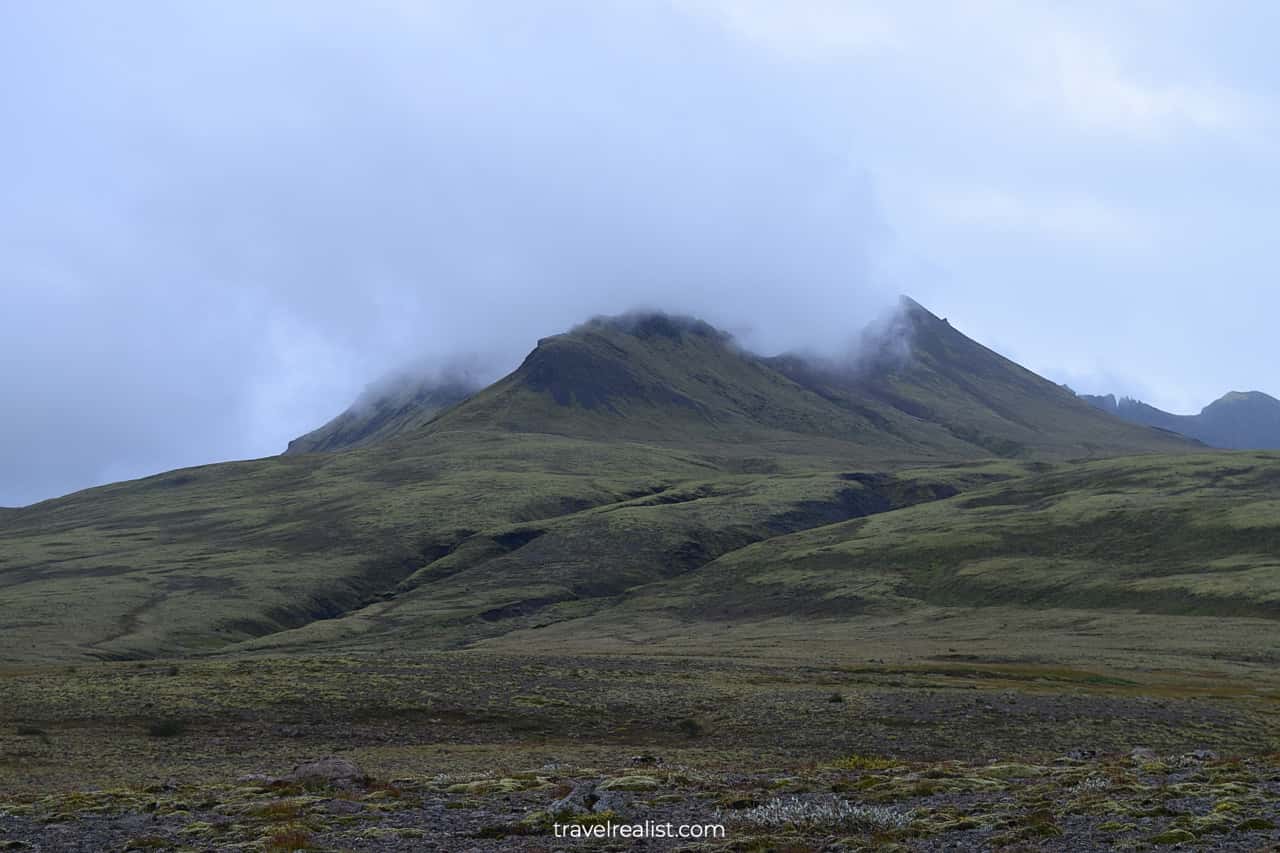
(922,600)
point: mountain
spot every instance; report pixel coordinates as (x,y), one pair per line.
(918,390)
(395,406)
(628,452)
(1240,420)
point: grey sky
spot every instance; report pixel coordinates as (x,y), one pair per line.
(221,220)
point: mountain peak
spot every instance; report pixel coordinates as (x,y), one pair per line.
(914,388)
(592,369)
(1238,420)
(1245,398)
(1243,420)
(920,316)
(647,325)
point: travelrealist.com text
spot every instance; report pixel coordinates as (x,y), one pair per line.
(647,829)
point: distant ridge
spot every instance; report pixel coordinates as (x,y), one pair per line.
(1240,420)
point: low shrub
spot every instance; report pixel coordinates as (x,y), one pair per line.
(689,727)
(290,839)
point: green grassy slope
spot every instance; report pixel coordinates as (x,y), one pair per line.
(201,557)
(628,452)
(1195,535)
(534,574)
(477,534)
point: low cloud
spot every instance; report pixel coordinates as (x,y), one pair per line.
(1095,91)
(1074,218)
(226,221)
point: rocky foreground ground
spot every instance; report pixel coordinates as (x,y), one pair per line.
(1079,801)
(486,753)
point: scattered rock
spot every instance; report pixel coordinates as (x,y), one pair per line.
(577,801)
(1081,754)
(343,807)
(330,770)
(589,798)
(739,800)
(261,779)
(608,801)
(482,787)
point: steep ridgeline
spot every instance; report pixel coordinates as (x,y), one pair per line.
(391,408)
(1240,420)
(941,382)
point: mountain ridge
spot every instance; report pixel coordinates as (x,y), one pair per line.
(1238,420)
(917,388)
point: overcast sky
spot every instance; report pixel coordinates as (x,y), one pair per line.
(219,221)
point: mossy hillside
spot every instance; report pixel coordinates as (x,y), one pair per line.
(422,530)
(1166,535)
(538,574)
(203,558)
(197,558)
(1182,535)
